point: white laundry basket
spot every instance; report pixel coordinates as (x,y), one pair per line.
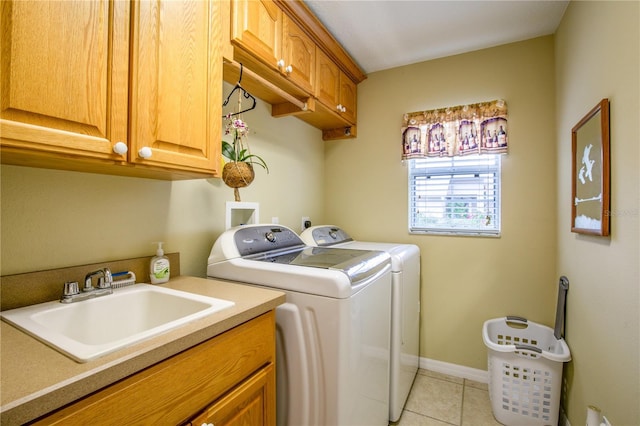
(525,371)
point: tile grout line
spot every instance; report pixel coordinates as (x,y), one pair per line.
(430,417)
(464,381)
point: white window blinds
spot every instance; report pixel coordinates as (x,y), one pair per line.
(455,195)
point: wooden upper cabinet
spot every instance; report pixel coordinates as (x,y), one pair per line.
(298,55)
(348,98)
(64,77)
(296,61)
(257,27)
(70,68)
(328,81)
(261,28)
(334,89)
(176,93)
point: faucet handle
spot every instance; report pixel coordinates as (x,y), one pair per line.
(106,279)
(71,288)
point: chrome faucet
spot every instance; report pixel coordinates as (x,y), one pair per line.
(104,282)
(71,292)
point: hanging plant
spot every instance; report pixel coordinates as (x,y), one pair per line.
(238,172)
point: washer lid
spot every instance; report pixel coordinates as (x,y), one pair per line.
(358,265)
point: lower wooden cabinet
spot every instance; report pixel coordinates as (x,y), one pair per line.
(228,380)
(248,404)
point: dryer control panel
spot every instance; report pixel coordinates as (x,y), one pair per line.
(329,235)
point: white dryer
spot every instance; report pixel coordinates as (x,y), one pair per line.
(405,306)
(333,332)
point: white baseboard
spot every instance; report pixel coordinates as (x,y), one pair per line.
(455,370)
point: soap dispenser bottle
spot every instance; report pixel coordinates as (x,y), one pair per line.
(159,269)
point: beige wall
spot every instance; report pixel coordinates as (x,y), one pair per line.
(53,218)
(597,50)
(465,280)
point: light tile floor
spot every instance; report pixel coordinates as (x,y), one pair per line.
(441,400)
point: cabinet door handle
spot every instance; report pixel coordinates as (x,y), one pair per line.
(145,152)
(288,69)
(280,63)
(341,108)
(120,148)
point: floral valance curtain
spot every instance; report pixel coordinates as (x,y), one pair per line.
(460,130)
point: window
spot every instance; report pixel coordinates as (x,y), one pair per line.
(455,195)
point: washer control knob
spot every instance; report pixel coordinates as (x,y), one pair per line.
(270,236)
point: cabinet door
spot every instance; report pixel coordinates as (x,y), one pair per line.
(348,98)
(299,53)
(334,89)
(251,403)
(64,77)
(257,28)
(176,95)
(328,81)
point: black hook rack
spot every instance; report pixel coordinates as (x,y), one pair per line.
(244,93)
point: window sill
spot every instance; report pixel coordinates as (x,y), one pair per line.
(496,234)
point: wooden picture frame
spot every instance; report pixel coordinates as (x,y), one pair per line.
(590,176)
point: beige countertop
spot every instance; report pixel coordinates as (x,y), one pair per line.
(36,379)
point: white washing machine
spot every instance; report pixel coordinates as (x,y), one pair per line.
(405,307)
(333,332)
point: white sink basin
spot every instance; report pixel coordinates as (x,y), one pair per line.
(92,328)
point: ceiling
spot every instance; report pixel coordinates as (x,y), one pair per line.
(383,34)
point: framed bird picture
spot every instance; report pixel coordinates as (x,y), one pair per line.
(590,206)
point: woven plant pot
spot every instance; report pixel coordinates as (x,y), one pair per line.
(237,175)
